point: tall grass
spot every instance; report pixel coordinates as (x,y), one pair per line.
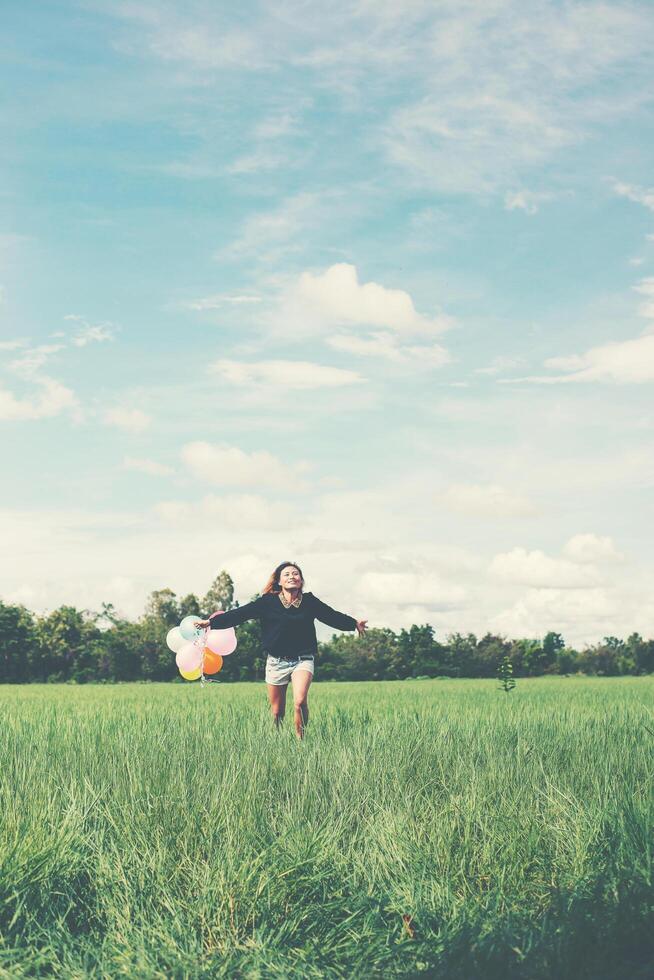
(436,828)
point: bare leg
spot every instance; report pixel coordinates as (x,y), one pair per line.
(301,681)
(277,698)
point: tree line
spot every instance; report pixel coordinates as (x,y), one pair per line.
(82,646)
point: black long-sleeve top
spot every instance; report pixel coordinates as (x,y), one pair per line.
(286,632)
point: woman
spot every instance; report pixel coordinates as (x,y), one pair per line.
(287,615)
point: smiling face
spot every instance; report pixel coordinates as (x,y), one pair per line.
(290,578)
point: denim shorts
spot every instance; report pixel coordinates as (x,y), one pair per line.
(279,669)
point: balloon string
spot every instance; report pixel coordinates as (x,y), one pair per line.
(204,647)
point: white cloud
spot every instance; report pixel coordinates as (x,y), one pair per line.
(219,300)
(130,419)
(481,91)
(173,511)
(276,125)
(24,595)
(512,87)
(533,460)
(537,569)
(646,288)
(265,152)
(33,359)
(244,511)
(500,363)
(639,195)
(485,501)
(48,397)
(148,466)
(63,556)
(524,200)
(12,344)
(270,234)
(621,362)
(258,160)
(389,572)
(337,297)
(205,46)
(579,614)
(373,345)
(89,333)
(231,466)
(387,347)
(92,335)
(590,548)
(407,588)
(284,374)
(52,399)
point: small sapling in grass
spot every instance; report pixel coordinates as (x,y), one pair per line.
(505,675)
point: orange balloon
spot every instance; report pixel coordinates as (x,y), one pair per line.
(212,661)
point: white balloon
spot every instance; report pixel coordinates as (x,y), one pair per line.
(174,639)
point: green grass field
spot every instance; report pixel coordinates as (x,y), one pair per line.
(435,828)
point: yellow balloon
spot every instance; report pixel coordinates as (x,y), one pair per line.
(191,675)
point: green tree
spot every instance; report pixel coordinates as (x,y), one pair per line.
(120,652)
(552,643)
(338,658)
(161,614)
(641,653)
(68,644)
(67,638)
(331,658)
(567,660)
(526,656)
(417,653)
(370,657)
(220,594)
(189,605)
(490,651)
(19,653)
(162,605)
(603,658)
(463,653)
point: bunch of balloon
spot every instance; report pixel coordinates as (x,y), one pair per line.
(199,651)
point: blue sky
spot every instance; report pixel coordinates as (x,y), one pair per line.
(369,288)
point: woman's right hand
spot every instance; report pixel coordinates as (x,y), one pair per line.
(203,624)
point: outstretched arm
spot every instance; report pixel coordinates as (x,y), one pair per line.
(223,621)
(338,620)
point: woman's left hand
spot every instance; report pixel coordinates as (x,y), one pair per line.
(362,626)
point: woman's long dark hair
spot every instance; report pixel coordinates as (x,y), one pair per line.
(272,585)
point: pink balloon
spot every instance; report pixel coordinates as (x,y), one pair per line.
(189,657)
(221,641)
